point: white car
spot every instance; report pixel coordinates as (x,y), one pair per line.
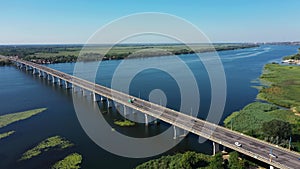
(238,144)
(273,155)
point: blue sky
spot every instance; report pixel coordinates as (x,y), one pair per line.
(74,21)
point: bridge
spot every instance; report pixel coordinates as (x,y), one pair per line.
(219,135)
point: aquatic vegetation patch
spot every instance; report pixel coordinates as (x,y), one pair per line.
(55,142)
(71,161)
(14,117)
(6,134)
(124,123)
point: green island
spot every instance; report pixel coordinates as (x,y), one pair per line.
(14,117)
(124,123)
(69,53)
(6,134)
(55,142)
(278,120)
(71,161)
(193,160)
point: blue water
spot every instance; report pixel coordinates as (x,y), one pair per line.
(20,91)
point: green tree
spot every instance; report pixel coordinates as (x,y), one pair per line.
(277,129)
(217,162)
(188,160)
(191,160)
(234,161)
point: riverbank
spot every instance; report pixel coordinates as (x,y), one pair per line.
(276,121)
(193,160)
(293,59)
(47,54)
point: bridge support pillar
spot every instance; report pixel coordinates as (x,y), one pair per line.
(74,88)
(124,110)
(40,73)
(95,97)
(146,120)
(216,148)
(185,132)
(83,92)
(28,68)
(60,82)
(54,79)
(49,77)
(175,133)
(34,71)
(102,98)
(68,85)
(109,104)
(45,75)
(178,132)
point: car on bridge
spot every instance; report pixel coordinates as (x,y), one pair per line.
(273,155)
(131,100)
(238,144)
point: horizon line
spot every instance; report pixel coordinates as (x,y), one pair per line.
(140,43)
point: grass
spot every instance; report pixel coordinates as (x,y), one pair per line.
(250,119)
(125,123)
(284,85)
(46,145)
(14,117)
(4,135)
(72,161)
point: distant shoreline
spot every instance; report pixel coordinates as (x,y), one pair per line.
(63,54)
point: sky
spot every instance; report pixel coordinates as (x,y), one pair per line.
(74,21)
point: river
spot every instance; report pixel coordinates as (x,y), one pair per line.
(20,91)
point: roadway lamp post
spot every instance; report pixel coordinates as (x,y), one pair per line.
(231,123)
